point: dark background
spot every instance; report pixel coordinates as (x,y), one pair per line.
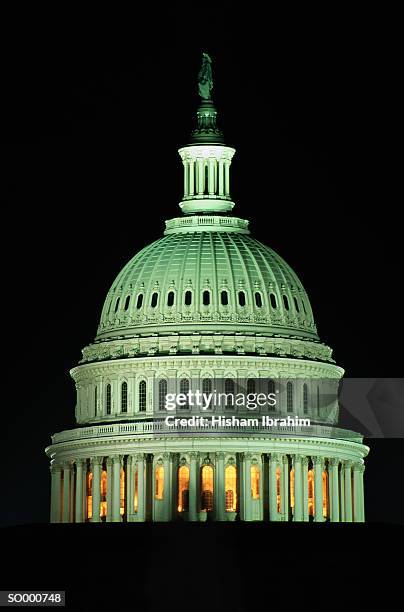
(94,114)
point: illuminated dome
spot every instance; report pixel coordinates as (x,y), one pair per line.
(206,305)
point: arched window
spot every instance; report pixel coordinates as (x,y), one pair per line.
(305,399)
(116,304)
(124,397)
(230,485)
(207,488)
(170,298)
(154,299)
(95,400)
(183,489)
(250,385)
(206,298)
(103,498)
(255,482)
(286,302)
(162,394)
(139,301)
(108,399)
(289,397)
(296,304)
(188,298)
(272,298)
(206,390)
(184,388)
(224,298)
(142,396)
(272,392)
(258,299)
(241,298)
(159,482)
(127,302)
(229,392)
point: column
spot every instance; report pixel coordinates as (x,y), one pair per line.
(130,488)
(348,490)
(219,493)
(247,486)
(141,488)
(167,491)
(342,493)
(193,487)
(273,507)
(211,177)
(305,485)
(318,464)
(186,178)
(227,178)
(285,488)
(79,491)
(221,177)
(96,488)
(109,489)
(116,488)
(334,490)
(66,491)
(201,176)
(358,514)
(298,510)
(56,483)
(191,177)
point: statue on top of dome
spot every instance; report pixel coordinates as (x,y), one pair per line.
(205,79)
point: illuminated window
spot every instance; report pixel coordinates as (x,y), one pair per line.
(296,304)
(183,489)
(170,298)
(278,488)
(184,388)
(207,488)
(258,299)
(272,298)
(206,298)
(162,394)
(325,494)
(241,298)
(286,302)
(95,400)
(124,397)
(310,479)
(159,482)
(305,399)
(103,503)
(142,396)
(122,492)
(292,488)
(139,301)
(229,391)
(224,298)
(230,479)
(89,496)
(154,299)
(289,397)
(255,482)
(108,399)
(188,298)
(116,304)
(127,302)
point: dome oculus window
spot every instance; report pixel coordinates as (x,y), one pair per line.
(296,304)
(116,304)
(286,302)
(272,298)
(127,302)
(224,298)
(139,301)
(188,298)
(154,299)
(170,299)
(206,298)
(258,299)
(241,298)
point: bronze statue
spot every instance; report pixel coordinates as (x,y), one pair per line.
(205,80)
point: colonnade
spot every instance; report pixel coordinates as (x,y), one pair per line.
(206,176)
(195,485)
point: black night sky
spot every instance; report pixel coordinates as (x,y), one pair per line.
(94,117)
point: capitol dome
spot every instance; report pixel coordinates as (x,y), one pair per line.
(206,307)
